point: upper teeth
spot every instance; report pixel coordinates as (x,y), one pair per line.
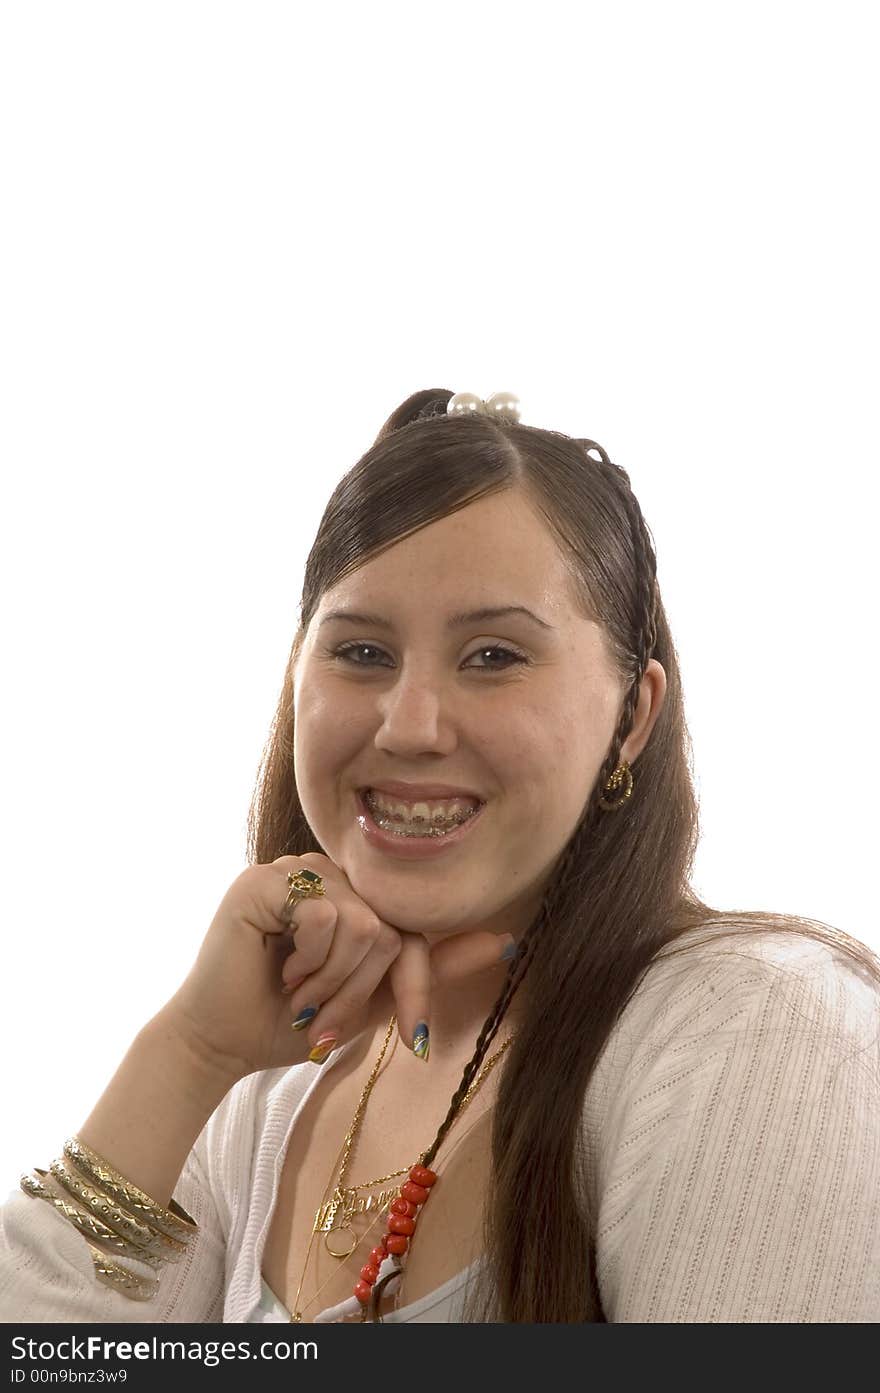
(423,811)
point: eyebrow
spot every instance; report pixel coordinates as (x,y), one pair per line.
(455,621)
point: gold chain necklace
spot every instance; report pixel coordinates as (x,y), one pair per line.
(326,1214)
(327,1211)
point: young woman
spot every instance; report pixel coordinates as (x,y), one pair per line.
(532,1077)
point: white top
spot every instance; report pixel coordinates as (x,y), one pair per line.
(732,1127)
(445,1303)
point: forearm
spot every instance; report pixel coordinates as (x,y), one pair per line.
(153,1109)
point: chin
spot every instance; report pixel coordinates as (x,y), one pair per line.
(431,921)
(410,910)
(432,932)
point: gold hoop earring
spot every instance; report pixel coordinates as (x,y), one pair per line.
(621,775)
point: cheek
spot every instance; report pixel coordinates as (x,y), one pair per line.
(530,760)
(316,743)
(320,718)
(554,756)
(328,741)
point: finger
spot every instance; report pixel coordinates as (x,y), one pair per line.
(322,866)
(461,956)
(290,979)
(314,926)
(284,866)
(359,933)
(341,1016)
(258,897)
(410,978)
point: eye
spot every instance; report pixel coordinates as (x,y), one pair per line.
(347,650)
(346,653)
(499,649)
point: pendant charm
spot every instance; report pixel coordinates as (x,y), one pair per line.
(334,1244)
(324,1219)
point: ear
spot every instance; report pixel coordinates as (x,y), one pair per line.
(651,696)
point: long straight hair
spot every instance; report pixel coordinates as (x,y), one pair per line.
(621,891)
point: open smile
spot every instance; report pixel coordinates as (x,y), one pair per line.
(420,834)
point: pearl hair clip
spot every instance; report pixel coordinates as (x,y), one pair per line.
(501,405)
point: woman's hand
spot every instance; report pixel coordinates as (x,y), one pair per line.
(236,1006)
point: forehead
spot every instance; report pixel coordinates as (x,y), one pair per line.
(495,550)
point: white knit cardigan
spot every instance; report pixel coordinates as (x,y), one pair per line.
(731,1132)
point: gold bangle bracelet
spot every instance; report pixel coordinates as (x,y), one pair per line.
(141,1236)
(173,1221)
(81,1219)
(112,1274)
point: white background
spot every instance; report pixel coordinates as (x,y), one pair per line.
(234,238)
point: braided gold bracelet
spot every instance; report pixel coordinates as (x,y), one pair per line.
(174,1221)
(142,1237)
(87,1224)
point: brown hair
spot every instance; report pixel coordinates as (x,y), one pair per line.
(621,890)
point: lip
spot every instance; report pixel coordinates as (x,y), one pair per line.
(410,848)
(413,793)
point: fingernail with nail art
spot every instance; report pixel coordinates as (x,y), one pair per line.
(306,1014)
(421,1043)
(323,1047)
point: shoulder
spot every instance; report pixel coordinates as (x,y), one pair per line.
(713,982)
(730,1010)
(735,1134)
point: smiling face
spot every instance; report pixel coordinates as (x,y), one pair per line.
(518,711)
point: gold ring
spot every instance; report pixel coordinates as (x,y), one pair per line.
(302,885)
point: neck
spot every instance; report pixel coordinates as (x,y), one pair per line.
(456,1015)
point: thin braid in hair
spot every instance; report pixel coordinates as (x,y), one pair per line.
(516,973)
(491,1026)
(644,547)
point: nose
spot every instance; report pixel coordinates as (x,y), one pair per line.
(414,718)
